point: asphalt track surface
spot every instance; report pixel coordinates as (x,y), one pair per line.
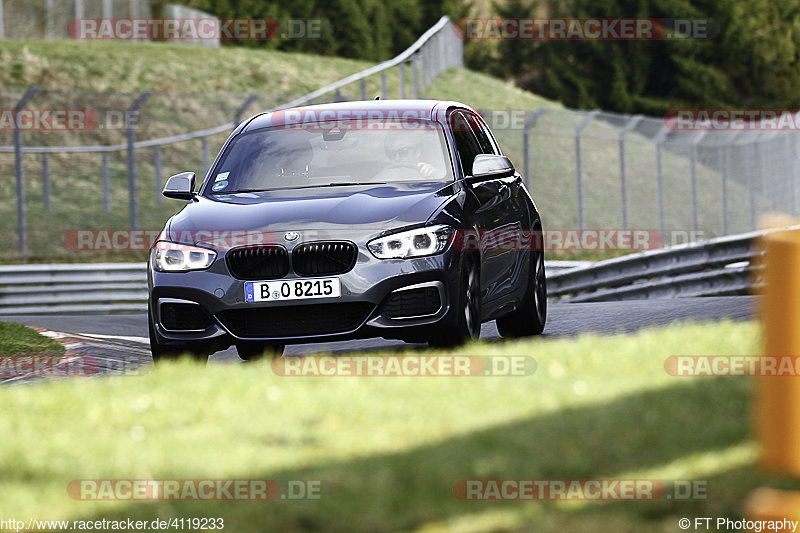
(564,320)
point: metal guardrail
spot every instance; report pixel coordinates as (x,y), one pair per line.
(716,267)
(95,287)
(73,288)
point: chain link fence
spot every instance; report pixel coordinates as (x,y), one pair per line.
(592,170)
(90,160)
(51,19)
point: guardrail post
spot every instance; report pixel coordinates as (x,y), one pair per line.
(401,79)
(793,168)
(157,165)
(237,116)
(579,164)
(22,227)
(777,398)
(46,181)
(383,85)
(659,139)
(629,126)
(363,89)
(526,142)
(131,138)
(106,185)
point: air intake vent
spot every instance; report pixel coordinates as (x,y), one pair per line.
(296,320)
(411,303)
(176,316)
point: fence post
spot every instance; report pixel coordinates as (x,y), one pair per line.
(20,175)
(237,116)
(205,156)
(106,185)
(579,164)
(662,133)
(383,85)
(48,23)
(726,166)
(131,137)
(751,181)
(401,79)
(363,85)
(78,9)
(46,180)
(2,23)
(414,77)
(526,141)
(629,126)
(157,165)
(693,174)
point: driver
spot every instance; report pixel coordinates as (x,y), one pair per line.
(404,147)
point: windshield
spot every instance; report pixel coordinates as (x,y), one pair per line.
(324,154)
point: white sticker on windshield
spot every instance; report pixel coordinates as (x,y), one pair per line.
(221,176)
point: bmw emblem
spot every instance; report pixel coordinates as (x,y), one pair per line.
(291,235)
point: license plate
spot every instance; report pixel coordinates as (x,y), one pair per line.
(291,289)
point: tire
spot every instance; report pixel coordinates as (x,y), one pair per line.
(162,352)
(469,310)
(250,351)
(531,317)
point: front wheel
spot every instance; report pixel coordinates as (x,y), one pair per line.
(531,317)
(469,310)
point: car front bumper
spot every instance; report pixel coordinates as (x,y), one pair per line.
(368,285)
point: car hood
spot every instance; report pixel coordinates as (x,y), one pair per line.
(351,212)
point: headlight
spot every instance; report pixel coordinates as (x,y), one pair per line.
(174,257)
(413,243)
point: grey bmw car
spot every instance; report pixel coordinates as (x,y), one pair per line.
(361,219)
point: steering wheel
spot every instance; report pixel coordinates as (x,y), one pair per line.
(396,170)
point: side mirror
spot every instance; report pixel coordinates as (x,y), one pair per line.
(488,165)
(180,186)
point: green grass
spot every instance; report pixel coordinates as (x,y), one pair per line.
(173,68)
(388,450)
(16,339)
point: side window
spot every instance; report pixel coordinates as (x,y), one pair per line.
(466,144)
(484,142)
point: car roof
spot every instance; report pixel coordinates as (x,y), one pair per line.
(418,108)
